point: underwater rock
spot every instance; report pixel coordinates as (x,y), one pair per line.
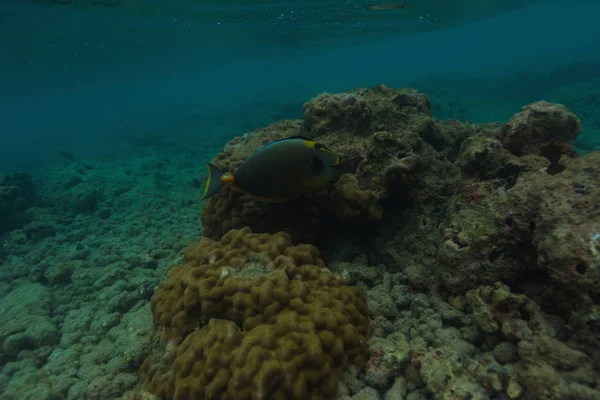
(389,356)
(16,195)
(531,230)
(37,230)
(447,136)
(485,157)
(82,331)
(563,214)
(541,128)
(358,271)
(68,185)
(476,247)
(511,348)
(27,322)
(505,353)
(343,112)
(350,203)
(388,164)
(394,109)
(385,156)
(398,390)
(60,272)
(381,301)
(535,363)
(83,198)
(367,393)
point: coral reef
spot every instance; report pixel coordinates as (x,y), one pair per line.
(456,260)
(562,210)
(486,343)
(252,314)
(380,148)
(483,157)
(350,203)
(344,112)
(517,220)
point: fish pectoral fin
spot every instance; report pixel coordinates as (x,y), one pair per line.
(326,156)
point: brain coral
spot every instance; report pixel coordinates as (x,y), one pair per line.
(250,316)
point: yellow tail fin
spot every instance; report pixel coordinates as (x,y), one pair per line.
(213,182)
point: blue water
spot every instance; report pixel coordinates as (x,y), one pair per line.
(84,81)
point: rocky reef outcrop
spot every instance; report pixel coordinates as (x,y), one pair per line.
(447,260)
(478,244)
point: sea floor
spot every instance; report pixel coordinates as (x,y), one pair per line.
(75,284)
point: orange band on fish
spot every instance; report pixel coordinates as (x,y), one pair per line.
(227,178)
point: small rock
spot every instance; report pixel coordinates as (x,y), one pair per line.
(367,393)
(506,353)
(398,390)
(514,390)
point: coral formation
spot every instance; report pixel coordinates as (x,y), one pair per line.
(344,112)
(483,157)
(541,128)
(388,164)
(527,361)
(374,131)
(515,222)
(486,343)
(350,203)
(251,314)
(457,260)
(563,213)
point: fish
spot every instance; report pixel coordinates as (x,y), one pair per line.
(280,171)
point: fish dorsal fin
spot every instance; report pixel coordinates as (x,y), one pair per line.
(288,138)
(321,151)
(283,140)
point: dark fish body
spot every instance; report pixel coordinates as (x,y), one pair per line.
(280,171)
